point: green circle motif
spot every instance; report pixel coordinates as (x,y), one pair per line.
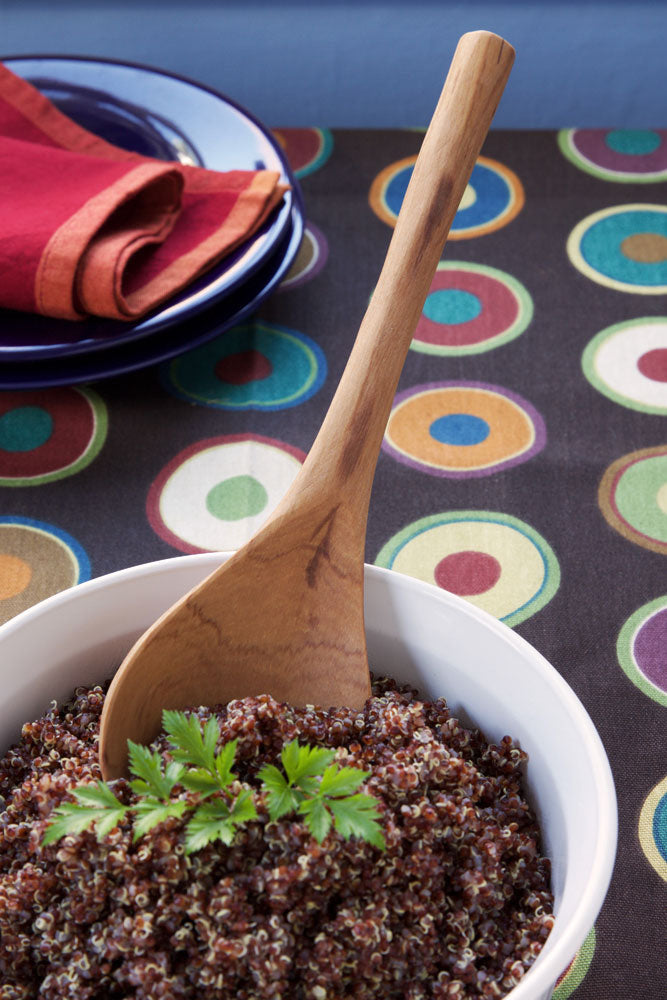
(237,497)
(637,483)
(577,970)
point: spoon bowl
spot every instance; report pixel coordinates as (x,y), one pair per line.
(285,615)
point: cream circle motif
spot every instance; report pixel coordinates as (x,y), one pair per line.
(627,362)
(493,560)
(214,495)
(661,498)
(469,197)
(653,828)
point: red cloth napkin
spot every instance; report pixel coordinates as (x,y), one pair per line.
(87,228)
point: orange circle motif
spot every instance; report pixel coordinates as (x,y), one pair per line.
(15,575)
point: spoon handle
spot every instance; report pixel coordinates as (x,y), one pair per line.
(349,440)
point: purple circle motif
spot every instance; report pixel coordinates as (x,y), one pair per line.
(620,155)
(641,647)
(650,649)
(593,144)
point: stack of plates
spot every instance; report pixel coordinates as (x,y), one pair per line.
(170,118)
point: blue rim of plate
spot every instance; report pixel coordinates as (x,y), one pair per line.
(100,92)
(166,344)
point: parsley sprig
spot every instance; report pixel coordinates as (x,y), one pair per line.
(323,793)
(311,785)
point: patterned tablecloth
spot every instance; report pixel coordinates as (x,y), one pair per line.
(524,464)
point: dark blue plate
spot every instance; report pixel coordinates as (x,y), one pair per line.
(38,373)
(169,118)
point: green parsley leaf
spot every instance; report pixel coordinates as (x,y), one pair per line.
(220,776)
(215,820)
(303,762)
(196,779)
(337,781)
(190,744)
(318,818)
(280,798)
(148,767)
(357,816)
(96,807)
(151,811)
(224,763)
(243,808)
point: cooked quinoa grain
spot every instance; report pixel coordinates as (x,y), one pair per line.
(457,907)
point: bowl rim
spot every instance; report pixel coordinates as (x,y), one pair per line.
(549,967)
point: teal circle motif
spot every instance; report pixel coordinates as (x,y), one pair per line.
(660,826)
(283,368)
(25,428)
(451,305)
(633,142)
(653,828)
(600,246)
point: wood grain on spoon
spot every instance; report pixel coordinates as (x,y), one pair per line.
(285,614)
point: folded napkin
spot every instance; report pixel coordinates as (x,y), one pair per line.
(87,228)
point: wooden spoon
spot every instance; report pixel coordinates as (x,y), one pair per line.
(285,614)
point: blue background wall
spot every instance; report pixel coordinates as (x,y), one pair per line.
(362,63)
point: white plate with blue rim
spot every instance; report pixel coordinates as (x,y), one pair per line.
(167,117)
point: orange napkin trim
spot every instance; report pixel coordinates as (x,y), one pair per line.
(134,236)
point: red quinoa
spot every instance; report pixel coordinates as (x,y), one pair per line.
(458,906)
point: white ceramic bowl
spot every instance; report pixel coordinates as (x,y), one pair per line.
(417,633)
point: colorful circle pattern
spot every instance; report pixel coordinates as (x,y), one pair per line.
(624,247)
(49,434)
(627,362)
(633,497)
(256,366)
(215,494)
(36,561)
(471,308)
(494,196)
(493,560)
(460,430)
(572,977)
(642,649)
(624,155)
(310,259)
(306,149)
(653,828)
